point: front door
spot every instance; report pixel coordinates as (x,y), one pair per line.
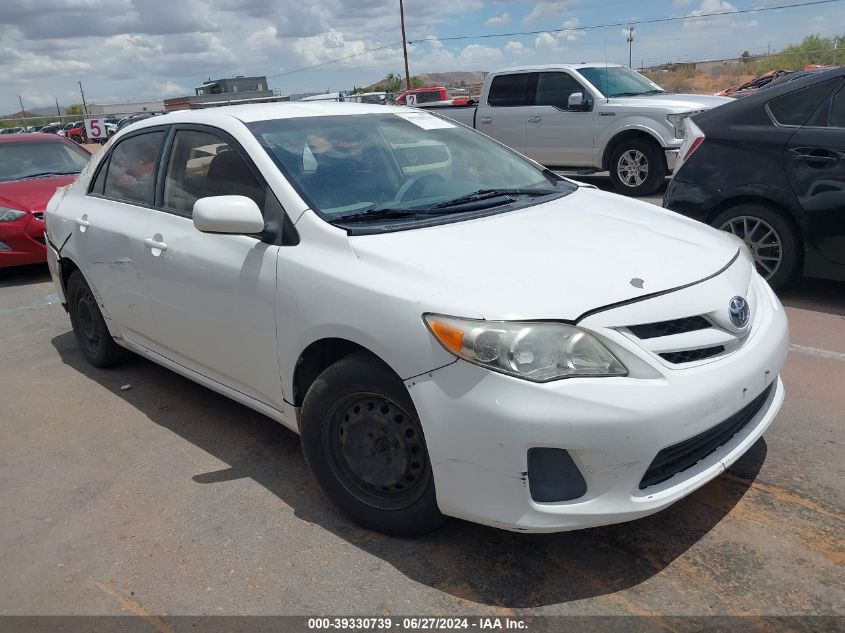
(815,165)
(556,135)
(213,297)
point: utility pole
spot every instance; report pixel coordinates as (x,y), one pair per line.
(58,109)
(404,45)
(835,46)
(84,105)
(23,114)
(630,40)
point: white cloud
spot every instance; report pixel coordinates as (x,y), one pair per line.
(716,21)
(545,40)
(572,31)
(544,9)
(515,48)
(499,20)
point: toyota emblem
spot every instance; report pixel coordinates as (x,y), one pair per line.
(739,312)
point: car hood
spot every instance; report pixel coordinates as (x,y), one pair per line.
(556,260)
(31,194)
(671,102)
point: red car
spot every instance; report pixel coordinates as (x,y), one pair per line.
(32,167)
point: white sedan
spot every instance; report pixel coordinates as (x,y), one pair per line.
(452,329)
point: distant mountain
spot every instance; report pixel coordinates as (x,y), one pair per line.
(28,114)
(454,79)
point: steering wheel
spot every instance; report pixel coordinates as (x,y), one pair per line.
(413,181)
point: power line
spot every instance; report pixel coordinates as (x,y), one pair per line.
(626,23)
(591,27)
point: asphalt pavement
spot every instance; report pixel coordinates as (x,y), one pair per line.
(166,498)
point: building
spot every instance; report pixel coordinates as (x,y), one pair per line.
(126,107)
(232,91)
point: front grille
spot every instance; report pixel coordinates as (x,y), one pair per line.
(692,355)
(668,328)
(677,458)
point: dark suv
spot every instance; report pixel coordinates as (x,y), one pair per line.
(771,169)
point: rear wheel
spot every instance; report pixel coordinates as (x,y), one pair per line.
(88,324)
(773,241)
(364,443)
(637,167)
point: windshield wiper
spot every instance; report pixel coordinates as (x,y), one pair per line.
(377,214)
(487,194)
(47,174)
(627,94)
(656,92)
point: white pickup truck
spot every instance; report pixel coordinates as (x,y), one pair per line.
(585,118)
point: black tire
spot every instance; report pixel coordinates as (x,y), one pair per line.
(356,419)
(89,327)
(784,243)
(639,183)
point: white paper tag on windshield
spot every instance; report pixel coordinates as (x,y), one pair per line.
(424,120)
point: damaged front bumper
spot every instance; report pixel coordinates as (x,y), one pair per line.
(480,426)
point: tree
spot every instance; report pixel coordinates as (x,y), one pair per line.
(813,50)
(75,109)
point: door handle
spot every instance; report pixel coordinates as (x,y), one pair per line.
(815,155)
(485,119)
(535,119)
(155,244)
(82,223)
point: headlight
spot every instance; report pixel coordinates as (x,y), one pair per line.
(535,351)
(677,121)
(10,215)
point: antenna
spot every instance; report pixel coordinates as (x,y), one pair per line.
(606,85)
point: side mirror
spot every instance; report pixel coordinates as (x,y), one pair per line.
(578,102)
(228,214)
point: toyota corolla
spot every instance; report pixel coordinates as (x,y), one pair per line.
(452,329)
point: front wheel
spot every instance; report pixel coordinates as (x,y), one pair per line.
(364,444)
(637,168)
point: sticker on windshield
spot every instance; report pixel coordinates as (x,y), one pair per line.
(424,120)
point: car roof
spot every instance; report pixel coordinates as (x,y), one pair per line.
(555,67)
(31,136)
(248,113)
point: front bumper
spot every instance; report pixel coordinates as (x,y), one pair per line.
(22,242)
(671,158)
(479,426)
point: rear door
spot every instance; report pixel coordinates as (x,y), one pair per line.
(554,134)
(815,165)
(109,230)
(213,297)
(503,116)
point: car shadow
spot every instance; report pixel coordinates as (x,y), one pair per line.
(472,562)
(24,275)
(819,295)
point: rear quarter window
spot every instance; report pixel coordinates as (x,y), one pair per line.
(509,90)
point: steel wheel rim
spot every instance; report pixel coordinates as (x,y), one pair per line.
(86,317)
(632,168)
(376,451)
(762,239)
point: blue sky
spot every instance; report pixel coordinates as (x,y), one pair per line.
(138,49)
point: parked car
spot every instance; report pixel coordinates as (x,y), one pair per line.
(76,132)
(11,130)
(52,128)
(132,118)
(452,329)
(421,95)
(32,166)
(771,169)
(586,118)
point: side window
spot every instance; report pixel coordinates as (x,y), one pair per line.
(100,180)
(131,170)
(203,164)
(797,107)
(553,89)
(509,90)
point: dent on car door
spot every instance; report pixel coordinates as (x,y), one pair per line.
(815,164)
(109,227)
(212,295)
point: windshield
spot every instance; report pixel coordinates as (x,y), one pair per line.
(406,161)
(619,81)
(30,160)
